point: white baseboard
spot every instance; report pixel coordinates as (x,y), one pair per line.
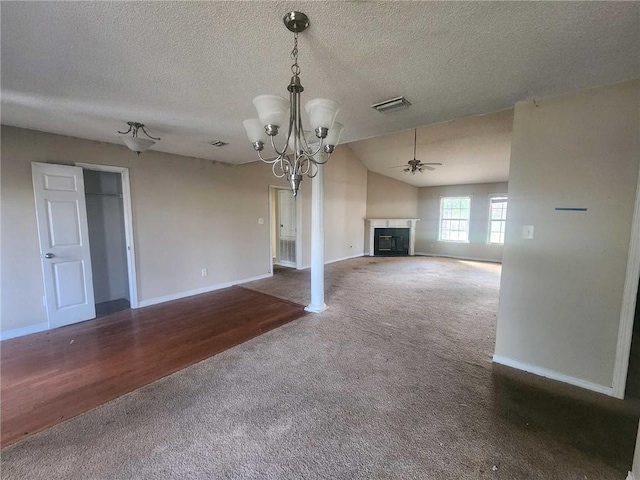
(471,259)
(337,260)
(553,375)
(344,258)
(20,332)
(198,291)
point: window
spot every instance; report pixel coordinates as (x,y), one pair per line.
(454,219)
(497,219)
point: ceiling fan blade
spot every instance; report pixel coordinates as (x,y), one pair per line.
(429,163)
(398,166)
(426,167)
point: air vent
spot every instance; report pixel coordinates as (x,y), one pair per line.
(391,105)
(218,143)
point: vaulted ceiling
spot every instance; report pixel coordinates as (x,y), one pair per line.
(189,70)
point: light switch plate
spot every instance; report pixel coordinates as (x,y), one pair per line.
(261,221)
(527,232)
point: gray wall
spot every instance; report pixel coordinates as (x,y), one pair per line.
(188,214)
(429,214)
(561,293)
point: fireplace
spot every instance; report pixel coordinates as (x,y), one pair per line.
(390,236)
(391,241)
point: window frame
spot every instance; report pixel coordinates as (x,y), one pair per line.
(504,222)
(440,218)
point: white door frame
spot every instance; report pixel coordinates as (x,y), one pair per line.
(128,224)
(627,313)
(298,201)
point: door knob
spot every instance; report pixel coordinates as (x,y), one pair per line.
(49,255)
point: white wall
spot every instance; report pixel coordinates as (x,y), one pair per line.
(429,214)
(389,198)
(561,293)
(188,214)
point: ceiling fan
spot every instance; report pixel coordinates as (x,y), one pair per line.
(413,166)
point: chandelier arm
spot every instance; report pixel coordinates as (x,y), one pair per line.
(314,165)
(124,133)
(304,164)
(273,169)
(322,162)
(145,132)
(266,160)
(313,154)
(296,122)
(273,144)
(304,145)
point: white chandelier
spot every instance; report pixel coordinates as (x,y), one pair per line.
(299,156)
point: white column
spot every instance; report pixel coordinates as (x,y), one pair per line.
(317,304)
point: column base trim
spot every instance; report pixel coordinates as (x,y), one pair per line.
(316,308)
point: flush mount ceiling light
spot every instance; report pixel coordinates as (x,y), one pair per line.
(134,142)
(300,155)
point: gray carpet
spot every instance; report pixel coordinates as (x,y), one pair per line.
(393,381)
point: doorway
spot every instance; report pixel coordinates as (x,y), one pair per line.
(110,227)
(285,234)
(66,251)
(105,220)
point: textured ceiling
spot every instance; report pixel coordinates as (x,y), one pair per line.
(472,150)
(189,70)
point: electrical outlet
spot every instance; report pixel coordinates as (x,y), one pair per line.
(204,272)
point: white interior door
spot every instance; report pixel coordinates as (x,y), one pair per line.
(64,243)
(287,228)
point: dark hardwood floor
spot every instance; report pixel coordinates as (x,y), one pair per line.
(49,377)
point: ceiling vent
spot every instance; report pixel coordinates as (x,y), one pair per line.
(218,143)
(391,105)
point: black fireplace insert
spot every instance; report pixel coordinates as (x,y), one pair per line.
(391,241)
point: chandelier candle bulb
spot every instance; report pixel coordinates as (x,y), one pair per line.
(302,153)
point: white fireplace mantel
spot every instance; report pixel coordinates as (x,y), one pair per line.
(373,223)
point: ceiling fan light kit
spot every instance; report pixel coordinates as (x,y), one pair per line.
(301,154)
(134,142)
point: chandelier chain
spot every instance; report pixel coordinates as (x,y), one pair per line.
(295,68)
